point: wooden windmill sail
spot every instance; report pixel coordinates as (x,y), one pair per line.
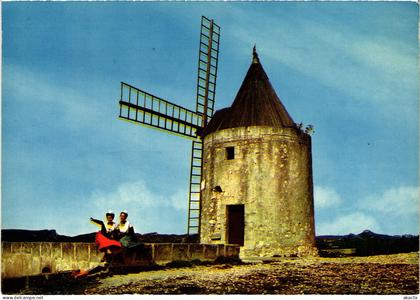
(146,109)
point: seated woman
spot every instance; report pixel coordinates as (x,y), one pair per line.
(125,232)
(105,238)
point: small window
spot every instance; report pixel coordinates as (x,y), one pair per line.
(230,152)
(218,189)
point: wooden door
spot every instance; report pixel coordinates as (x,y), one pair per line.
(236,224)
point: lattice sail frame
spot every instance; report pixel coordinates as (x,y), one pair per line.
(143,108)
(208,56)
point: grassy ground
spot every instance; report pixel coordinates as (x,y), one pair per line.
(381,275)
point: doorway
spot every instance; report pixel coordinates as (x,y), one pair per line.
(235,224)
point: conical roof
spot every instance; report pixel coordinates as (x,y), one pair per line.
(256,104)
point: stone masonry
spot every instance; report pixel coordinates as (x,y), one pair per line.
(271,175)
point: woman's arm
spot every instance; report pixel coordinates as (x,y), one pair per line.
(100,223)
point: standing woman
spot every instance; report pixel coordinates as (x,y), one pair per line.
(105,238)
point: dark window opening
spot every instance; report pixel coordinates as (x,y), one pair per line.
(218,189)
(230,152)
(46,270)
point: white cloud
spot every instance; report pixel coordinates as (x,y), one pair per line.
(145,207)
(344,224)
(326,197)
(179,200)
(394,211)
(396,201)
(137,193)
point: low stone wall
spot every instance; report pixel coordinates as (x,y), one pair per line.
(164,253)
(22,259)
(32,258)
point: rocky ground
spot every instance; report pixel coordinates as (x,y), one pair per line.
(381,275)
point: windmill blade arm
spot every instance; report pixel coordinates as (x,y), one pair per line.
(143,108)
(208,55)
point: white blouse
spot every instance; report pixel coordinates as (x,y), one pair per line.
(124,227)
(110,227)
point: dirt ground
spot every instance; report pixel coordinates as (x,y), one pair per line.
(380,275)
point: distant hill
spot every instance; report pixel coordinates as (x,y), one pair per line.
(364,243)
(370,243)
(21,235)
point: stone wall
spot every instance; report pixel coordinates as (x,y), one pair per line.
(271,175)
(32,258)
(23,258)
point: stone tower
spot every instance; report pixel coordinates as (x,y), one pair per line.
(257,186)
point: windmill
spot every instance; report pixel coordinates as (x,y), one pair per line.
(143,108)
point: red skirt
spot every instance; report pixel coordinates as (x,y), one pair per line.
(103,242)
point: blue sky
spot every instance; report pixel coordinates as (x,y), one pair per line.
(350,69)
